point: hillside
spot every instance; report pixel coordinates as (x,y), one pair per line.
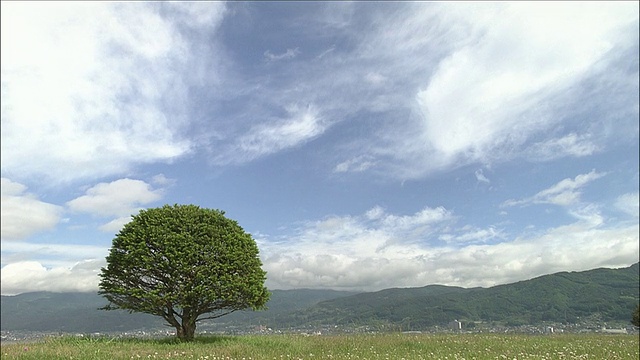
(610,294)
(78,312)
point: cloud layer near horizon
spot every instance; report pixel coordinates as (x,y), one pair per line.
(377,250)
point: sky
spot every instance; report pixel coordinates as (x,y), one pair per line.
(363,145)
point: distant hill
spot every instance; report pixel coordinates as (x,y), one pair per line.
(67,312)
(565,297)
(611,294)
(78,312)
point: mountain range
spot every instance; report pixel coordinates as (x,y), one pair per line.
(565,297)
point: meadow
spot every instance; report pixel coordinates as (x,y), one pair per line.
(366,346)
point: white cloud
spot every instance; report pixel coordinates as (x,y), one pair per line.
(302,125)
(564,193)
(351,252)
(162,180)
(370,252)
(629,203)
(23,214)
(484,96)
(356,164)
(374,213)
(443,86)
(470,235)
(205,14)
(568,145)
(375,78)
(30,267)
(28,276)
(481,177)
(121,198)
(289,54)
(115,225)
(50,255)
(90,89)
(486,83)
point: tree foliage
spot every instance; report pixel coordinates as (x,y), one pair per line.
(185,264)
(635,319)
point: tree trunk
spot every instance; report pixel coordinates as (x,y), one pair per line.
(187,331)
(188,328)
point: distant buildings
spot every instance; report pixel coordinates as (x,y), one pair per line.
(455,325)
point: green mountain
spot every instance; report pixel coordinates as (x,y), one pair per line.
(78,312)
(67,312)
(568,297)
(610,294)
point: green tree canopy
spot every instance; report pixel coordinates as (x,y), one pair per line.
(635,319)
(185,264)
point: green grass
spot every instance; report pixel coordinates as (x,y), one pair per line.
(294,347)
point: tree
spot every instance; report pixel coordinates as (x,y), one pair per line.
(635,320)
(185,264)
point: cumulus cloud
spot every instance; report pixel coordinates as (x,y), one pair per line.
(118,197)
(121,198)
(23,214)
(566,192)
(339,250)
(95,88)
(30,267)
(376,251)
(29,276)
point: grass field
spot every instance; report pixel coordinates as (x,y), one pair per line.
(378,346)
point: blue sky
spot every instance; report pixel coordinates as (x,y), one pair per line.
(364,145)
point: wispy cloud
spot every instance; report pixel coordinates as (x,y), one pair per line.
(629,203)
(566,192)
(302,124)
(473,91)
(356,164)
(481,177)
(470,235)
(569,145)
(51,255)
(289,54)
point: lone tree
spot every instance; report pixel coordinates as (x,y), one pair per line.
(635,319)
(185,264)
